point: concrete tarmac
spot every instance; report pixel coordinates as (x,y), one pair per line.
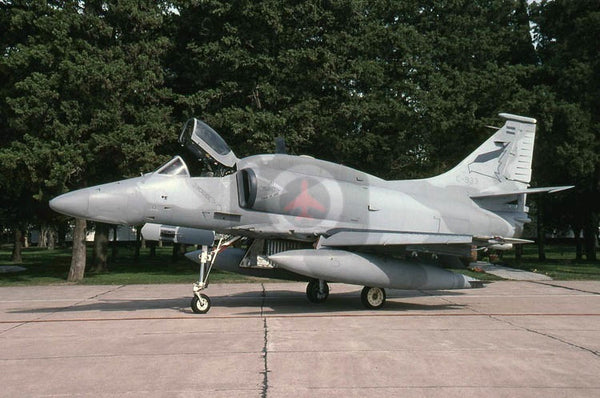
(509,339)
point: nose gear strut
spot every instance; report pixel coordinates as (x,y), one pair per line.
(201,302)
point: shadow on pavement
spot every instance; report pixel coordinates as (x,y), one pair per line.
(274,302)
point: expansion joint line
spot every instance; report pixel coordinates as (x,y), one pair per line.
(265,352)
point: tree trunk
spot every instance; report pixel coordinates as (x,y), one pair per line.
(541,238)
(78,258)
(51,238)
(175,252)
(17,256)
(100,257)
(578,243)
(62,233)
(152,246)
(138,244)
(518,253)
(43,237)
(590,231)
(113,256)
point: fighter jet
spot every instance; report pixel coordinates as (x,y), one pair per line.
(297,217)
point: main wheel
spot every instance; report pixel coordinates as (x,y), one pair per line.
(314,293)
(200,305)
(373,297)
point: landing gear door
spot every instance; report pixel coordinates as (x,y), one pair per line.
(199,138)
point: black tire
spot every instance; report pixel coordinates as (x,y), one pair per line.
(373,297)
(313,293)
(200,306)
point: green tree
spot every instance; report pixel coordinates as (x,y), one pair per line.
(87,101)
(568,84)
(398,88)
(478,63)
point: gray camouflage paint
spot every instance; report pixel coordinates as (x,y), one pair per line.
(301,198)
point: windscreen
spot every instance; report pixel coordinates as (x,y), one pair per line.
(173,167)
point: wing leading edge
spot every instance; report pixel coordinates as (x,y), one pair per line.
(442,244)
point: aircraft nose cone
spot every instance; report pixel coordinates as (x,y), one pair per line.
(110,203)
(73,204)
(114,203)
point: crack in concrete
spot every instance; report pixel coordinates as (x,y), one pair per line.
(596,353)
(566,288)
(59,310)
(14,327)
(494,317)
(106,292)
(85,300)
(265,351)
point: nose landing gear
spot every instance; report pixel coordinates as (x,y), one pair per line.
(200,302)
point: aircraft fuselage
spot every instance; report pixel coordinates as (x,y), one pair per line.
(287,196)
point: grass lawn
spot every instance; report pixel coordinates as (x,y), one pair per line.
(51,267)
(560,263)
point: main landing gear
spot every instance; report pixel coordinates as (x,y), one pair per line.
(372,298)
(317,291)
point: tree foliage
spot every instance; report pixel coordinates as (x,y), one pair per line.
(92,91)
(85,98)
(395,88)
(568,88)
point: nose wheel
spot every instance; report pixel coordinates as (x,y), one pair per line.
(200,304)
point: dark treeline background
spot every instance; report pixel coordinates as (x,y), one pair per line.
(94,91)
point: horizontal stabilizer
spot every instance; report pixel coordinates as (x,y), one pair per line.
(523,191)
(385,238)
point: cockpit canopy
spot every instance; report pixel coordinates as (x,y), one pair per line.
(199,138)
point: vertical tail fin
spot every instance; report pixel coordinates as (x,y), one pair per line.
(500,164)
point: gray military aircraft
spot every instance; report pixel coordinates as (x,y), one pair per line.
(308,219)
